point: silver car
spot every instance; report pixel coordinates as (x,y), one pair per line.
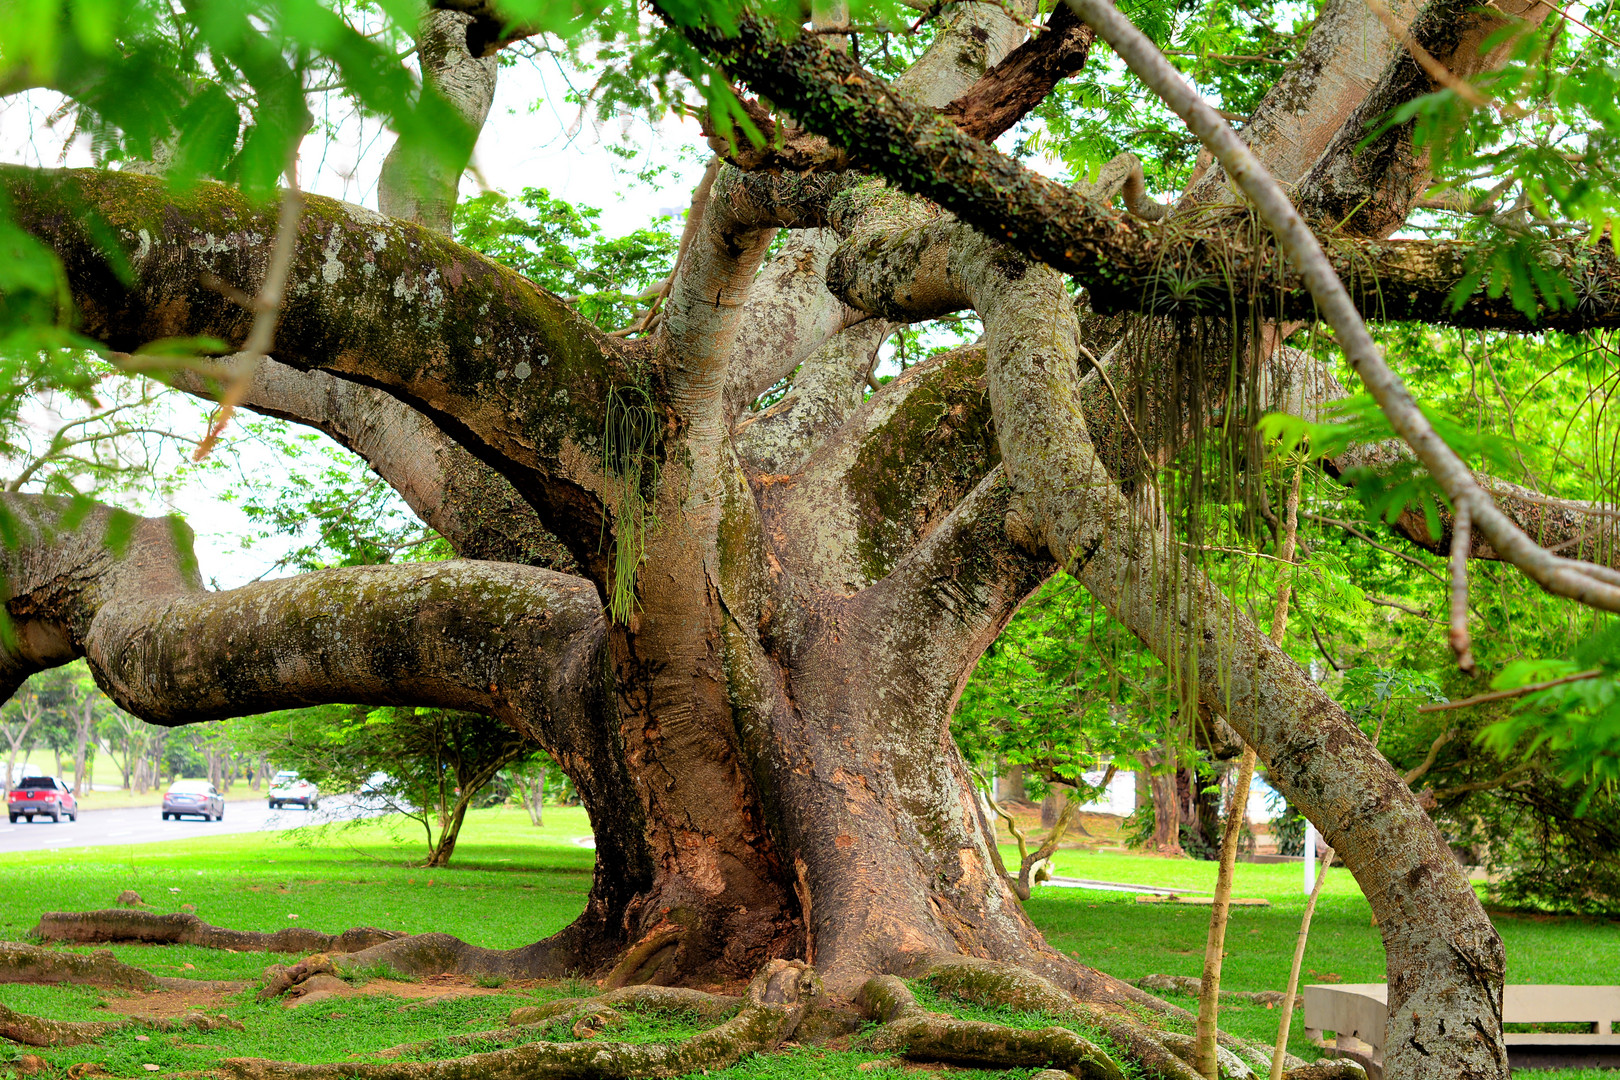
(193,797)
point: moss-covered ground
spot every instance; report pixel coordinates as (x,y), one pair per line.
(512,883)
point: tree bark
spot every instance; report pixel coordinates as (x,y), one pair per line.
(760,734)
(421,187)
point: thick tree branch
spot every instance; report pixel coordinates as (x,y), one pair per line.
(1008,91)
(1348,47)
(490,31)
(970,36)
(828,387)
(789,315)
(1123,266)
(471,505)
(1367,188)
(709,288)
(1574,529)
(512,373)
(419,186)
(884,479)
(172,653)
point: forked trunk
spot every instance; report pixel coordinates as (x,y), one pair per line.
(797,793)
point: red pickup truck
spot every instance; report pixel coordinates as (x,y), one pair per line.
(41,796)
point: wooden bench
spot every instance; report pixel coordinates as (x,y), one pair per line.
(1355,1013)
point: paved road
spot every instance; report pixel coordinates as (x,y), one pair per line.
(145,825)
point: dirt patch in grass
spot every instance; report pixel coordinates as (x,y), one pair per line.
(326,987)
(167,1003)
(171,1002)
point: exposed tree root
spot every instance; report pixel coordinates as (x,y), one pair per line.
(988,982)
(1189,984)
(643,959)
(776,1001)
(1185,1047)
(666,999)
(278,978)
(216,986)
(920,1035)
(180,928)
(21,963)
(444,954)
(587,1018)
(421,955)
(1328,1069)
(37,1031)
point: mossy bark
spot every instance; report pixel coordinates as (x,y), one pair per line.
(38,1031)
(182,928)
(21,963)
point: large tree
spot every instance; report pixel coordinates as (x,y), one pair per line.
(750,681)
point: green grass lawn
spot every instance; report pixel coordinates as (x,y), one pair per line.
(1113,932)
(512,884)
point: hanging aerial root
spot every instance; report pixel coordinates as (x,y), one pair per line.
(1158,1052)
(37,1031)
(774,1004)
(180,928)
(914,1032)
(21,963)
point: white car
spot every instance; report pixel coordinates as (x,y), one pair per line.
(377,793)
(290,789)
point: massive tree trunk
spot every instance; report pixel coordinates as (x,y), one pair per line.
(760,734)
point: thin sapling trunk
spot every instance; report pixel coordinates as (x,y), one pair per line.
(1209,993)
(1279,1055)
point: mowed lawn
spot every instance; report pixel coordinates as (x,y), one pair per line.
(1114,932)
(509,883)
(512,883)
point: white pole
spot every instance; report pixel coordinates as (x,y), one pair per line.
(1310,857)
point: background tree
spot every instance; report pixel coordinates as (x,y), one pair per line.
(87,704)
(527,779)
(430,765)
(18,719)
